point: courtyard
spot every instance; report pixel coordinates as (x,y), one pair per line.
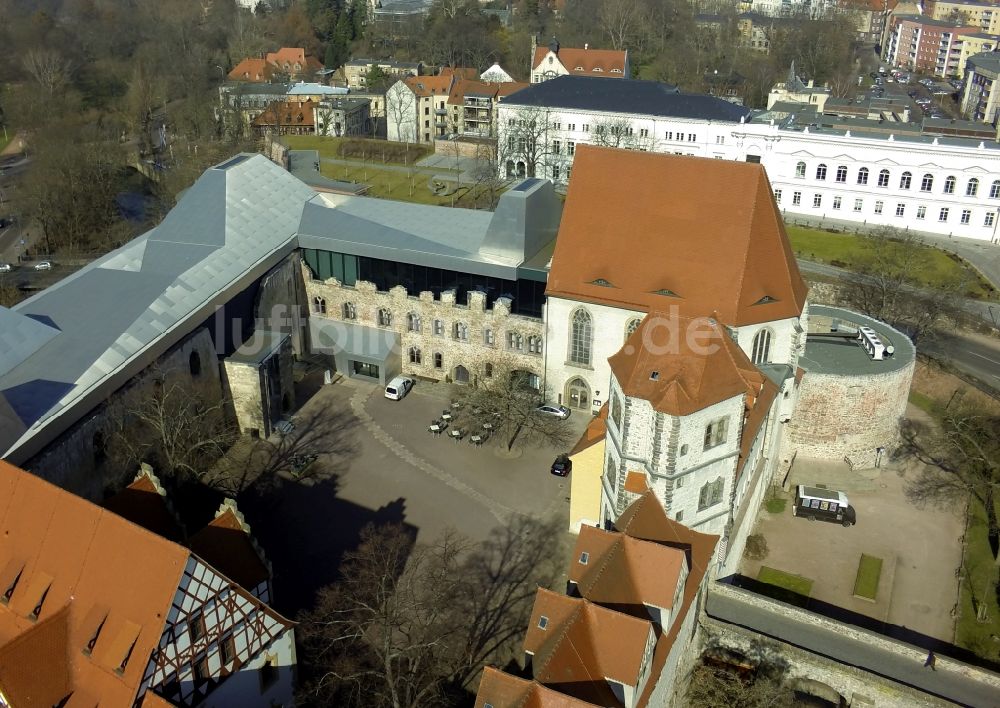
(914,586)
(395,471)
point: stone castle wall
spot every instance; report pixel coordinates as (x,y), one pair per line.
(472,352)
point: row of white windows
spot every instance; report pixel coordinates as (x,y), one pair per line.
(943,214)
(905,180)
(459,330)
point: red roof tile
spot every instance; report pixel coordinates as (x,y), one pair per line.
(257,70)
(583,62)
(502,690)
(226,545)
(143,502)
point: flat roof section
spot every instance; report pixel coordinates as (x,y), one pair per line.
(845,357)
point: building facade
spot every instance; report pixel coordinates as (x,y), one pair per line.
(980,91)
(554,60)
(926,45)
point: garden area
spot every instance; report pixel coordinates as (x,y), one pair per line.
(787,587)
(362,149)
(935,268)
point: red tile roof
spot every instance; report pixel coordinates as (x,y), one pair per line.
(595,431)
(584,62)
(225,544)
(460,72)
(430,85)
(257,70)
(502,690)
(144,502)
(648,231)
(288,58)
(582,645)
(622,571)
(298,114)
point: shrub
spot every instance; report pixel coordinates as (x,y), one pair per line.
(776,505)
(756,548)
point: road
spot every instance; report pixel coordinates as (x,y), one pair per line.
(975,355)
(846,649)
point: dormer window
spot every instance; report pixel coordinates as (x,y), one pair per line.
(665,292)
(584,558)
(543,622)
(616,71)
(766,299)
(598,69)
(654,376)
(602,283)
(579,68)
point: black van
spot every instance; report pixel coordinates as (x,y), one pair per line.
(815,503)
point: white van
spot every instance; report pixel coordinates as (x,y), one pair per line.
(398,387)
(824,504)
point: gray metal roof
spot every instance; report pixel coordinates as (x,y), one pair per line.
(625,96)
(113,317)
(840,357)
(258,348)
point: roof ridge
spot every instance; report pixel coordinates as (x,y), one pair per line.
(749,238)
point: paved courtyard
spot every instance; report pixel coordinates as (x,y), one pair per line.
(397,472)
(920,548)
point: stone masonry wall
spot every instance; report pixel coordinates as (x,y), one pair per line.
(243,388)
(472,352)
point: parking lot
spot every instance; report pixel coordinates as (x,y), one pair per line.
(920,548)
(397,472)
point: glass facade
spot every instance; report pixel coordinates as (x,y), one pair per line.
(527,296)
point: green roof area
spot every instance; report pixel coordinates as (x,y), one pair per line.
(845,357)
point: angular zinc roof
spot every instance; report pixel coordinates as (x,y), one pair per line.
(116,315)
(647,231)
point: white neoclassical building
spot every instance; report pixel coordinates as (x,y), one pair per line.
(868,173)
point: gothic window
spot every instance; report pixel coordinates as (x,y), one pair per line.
(514,341)
(905,180)
(350,312)
(710,494)
(319,306)
(460,331)
(581,333)
(800,169)
(616,410)
(414,355)
(972,188)
(949,185)
(715,432)
(488,370)
(863,175)
(632,325)
(384,317)
(821,171)
(927,183)
(413,322)
(438,360)
(488,337)
(534,344)
(761,350)
(883,178)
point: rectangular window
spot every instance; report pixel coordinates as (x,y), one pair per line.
(817,201)
(796,198)
(878,207)
(643,132)
(488,337)
(858,204)
(679,516)
(199,670)
(570,148)
(921,212)
(438,328)
(227,650)
(715,433)
(670,135)
(966,216)
(555,172)
(943,214)
(586,127)
(555,147)
(572,126)
(196,626)
(777,196)
(988,220)
(720,139)
(900,209)
(691,137)
(836,202)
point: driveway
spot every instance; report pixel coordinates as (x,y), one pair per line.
(920,548)
(394,472)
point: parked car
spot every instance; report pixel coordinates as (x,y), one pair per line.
(398,387)
(557,411)
(43,265)
(6,267)
(562,466)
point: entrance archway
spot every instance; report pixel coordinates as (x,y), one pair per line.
(521,169)
(461,374)
(577,393)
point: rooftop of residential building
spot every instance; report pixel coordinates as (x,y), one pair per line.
(584,61)
(990,61)
(845,356)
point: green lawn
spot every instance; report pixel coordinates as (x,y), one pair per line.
(849,251)
(793,589)
(381,151)
(776,505)
(978,588)
(393,184)
(869,572)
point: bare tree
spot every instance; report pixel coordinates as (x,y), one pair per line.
(49,69)
(621,20)
(619,133)
(504,396)
(714,686)
(401,112)
(523,143)
(488,185)
(9,294)
(409,625)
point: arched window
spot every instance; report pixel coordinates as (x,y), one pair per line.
(514,341)
(883,178)
(384,317)
(927,183)
(460,331)
(949,185)
(710,494)
(995,189)
(413,322)
(821,171)
(438,360)
(534,344)
(415,355)
(972,188)
(761,349)
(349,312)
(319,306)
(461,374)
(488,370)
(863,175)
(905,180)
(194,364)
(580,337)
(841,173)
(800,169)
(631,326)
